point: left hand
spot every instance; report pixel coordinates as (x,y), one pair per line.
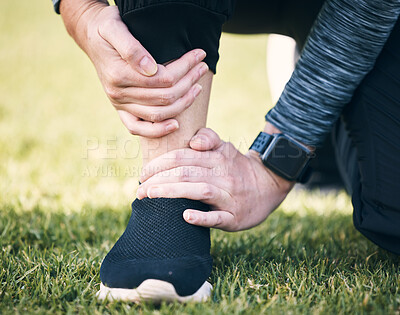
(147,96)
(242,192)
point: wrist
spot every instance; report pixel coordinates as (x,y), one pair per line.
(77,15)
(271,129)
(287,158)
(283,184)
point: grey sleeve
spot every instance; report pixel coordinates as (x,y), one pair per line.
(56,4)
(341,49)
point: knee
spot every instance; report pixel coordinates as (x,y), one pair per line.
(378,222)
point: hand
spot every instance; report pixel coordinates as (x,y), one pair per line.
(147,96)
(242,192)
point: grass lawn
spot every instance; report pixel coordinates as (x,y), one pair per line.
(68,172)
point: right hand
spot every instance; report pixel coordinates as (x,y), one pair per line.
(241,191)
(147,96)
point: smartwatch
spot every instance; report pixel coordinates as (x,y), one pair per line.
(284,156)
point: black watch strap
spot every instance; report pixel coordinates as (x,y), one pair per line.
(261,142)
(305,175)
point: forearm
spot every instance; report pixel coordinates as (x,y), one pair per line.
(75,14)
(341,49)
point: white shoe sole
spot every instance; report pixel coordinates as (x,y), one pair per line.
(153,290)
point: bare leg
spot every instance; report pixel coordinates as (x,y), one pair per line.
(190,121)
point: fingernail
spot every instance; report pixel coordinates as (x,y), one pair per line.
(148,66)
(140,193)
(197,89)
(189,216)
(172,126)
(198,140)
(154,192)
(200,55)
(203,69)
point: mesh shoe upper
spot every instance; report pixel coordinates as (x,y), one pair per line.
(159,244)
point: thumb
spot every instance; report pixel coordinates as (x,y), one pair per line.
(129,48)
(205,140)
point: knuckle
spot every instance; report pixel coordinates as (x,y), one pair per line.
(219,156)
(180,177)
(167,80)
(194,77)
(167,98)
(114,79)
(183,176)
(188,64)
(207,192)
(156,117)
(195,57)
(122,78)
(130,51)
(113,92)
(219,220)
(188,100)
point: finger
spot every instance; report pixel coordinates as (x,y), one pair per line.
(160,113)
(187,174)
(160,96)
(223,220)
(145,128)
(206,139)
(116,33)
(180,67)
(183,157)
(125,77)
(205,192)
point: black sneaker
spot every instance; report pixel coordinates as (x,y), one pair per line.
(159,257)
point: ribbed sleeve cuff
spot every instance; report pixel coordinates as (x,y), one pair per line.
(56,4)
(296,126)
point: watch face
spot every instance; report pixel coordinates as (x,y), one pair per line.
(286,158)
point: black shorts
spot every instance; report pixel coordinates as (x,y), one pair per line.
(168,29)
(367,138)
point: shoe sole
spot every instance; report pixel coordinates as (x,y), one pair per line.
(153,290)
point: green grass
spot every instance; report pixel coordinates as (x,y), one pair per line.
(68,171)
